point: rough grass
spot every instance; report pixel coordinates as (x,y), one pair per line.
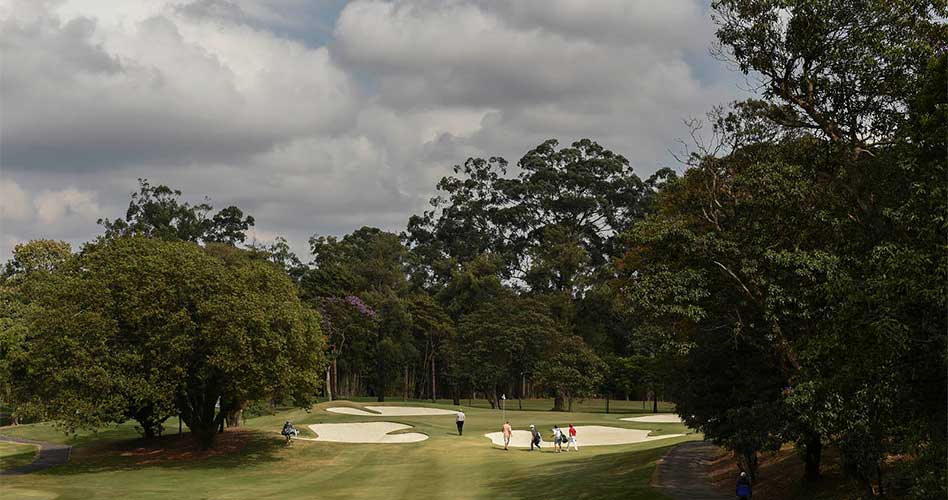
(780,477)
(116,464)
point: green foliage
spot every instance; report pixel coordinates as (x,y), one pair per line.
(844,69)
(569,369)
(36,256)
(155,211)
(139,328)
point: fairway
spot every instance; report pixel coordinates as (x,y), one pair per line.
(257,464)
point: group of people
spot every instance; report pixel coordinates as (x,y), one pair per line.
(560,436)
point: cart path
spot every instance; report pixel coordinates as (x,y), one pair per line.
(50,455)
(683,473)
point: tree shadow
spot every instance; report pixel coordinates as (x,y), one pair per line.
(232,450)
(622,475)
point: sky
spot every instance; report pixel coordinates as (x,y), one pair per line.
(323,116)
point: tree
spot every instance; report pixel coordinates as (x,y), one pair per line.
(31,261)
(36,256)
(368,264)
(843,70)
(156,212)
(142,328)
(570,370)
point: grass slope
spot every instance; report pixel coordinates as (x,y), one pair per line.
(114,464)
(16,454)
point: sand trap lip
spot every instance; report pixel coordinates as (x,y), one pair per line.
(586,435)
(663,418)
(390,411)
(364,432)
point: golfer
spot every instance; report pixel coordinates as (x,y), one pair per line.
(507,433)
(460,422)
(572,438)
(535,438)
(558,439)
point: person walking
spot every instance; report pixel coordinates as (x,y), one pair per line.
(460,422)
(744,487)
(572,438)
(535,438)
(558,439)
(508,431)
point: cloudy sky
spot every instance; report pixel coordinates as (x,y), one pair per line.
(321,116)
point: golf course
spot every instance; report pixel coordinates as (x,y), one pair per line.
(257,463)
(472,249)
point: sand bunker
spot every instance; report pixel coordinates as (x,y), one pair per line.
(365,432)
(663,418)
(586,435)
(390,411)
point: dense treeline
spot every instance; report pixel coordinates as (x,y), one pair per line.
(789,287)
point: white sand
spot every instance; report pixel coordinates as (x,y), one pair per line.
(586,435)
(365,432)
(390,411)
(662,418)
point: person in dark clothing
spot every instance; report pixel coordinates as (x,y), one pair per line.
(744,487)
(535,438)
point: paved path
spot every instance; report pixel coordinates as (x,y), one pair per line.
(683,473)
(50,455)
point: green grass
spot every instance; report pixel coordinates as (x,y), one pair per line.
(15,454)
(444,466)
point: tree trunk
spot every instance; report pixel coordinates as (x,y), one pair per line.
(234,413)
(199,413)
(335,378)
(559,402)
(607,403)
(434,388)
(456,395)
(149,421)
(654,401)
(748,462)
(328,383)
(570,400)
(405,387)
(812,451)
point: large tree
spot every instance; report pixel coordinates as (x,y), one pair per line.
(140,328)
(368,265)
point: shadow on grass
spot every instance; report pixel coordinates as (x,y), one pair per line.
(609,476)
(239,449)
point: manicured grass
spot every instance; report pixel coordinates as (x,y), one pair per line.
(444,466)
(15,454)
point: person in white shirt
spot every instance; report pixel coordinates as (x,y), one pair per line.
(558,439)
(460,422)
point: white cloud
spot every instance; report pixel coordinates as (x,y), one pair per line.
(15,204)
(234,100)
(164,89)
(56,207)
